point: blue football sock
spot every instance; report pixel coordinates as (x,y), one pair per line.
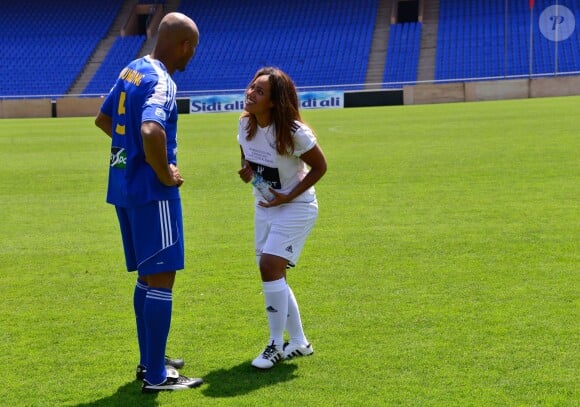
(141,289)
(157,315)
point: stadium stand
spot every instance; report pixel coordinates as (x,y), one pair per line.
(123,50)
(402,55)
(45,45)
(480,39)
(316,43)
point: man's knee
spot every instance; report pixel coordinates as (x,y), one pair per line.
(161,280)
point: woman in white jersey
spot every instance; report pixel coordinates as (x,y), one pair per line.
(282,159)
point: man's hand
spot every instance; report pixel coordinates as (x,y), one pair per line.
(177,178)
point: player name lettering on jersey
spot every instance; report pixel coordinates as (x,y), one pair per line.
(131,76)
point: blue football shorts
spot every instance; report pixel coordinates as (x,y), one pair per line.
(282,230)
(153,237)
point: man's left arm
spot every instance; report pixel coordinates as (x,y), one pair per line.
(155,149)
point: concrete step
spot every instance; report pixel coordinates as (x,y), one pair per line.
(102,49)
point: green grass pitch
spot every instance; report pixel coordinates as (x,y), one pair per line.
(443,270)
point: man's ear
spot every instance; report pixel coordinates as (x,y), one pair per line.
(184,45)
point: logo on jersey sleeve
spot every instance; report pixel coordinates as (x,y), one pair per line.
(159,112)
(269,174)
(118,158)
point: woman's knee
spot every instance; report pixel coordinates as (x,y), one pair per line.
(272,267)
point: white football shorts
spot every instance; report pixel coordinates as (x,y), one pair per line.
(282,230)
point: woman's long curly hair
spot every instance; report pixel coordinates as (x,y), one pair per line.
(284,112)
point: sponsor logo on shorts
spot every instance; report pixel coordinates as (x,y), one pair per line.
(289,249)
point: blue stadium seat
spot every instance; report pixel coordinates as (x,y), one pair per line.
(47,50)
(306,39)
(123,51)
(402,60)
(480,37)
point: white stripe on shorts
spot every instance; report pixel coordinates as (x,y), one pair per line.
(165,221)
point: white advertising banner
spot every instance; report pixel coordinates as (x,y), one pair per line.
(235,102)
(321,100)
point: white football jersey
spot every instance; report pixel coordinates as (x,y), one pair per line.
(282,172)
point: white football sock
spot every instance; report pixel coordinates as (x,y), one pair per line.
(293,322)
(276,297)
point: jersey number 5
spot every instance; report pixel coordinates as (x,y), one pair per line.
(120,128)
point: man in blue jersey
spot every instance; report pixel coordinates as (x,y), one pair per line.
(140,116)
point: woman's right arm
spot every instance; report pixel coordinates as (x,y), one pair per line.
(246,173)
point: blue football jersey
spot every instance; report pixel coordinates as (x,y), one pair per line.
(144,91)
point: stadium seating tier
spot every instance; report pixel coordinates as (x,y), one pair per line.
(45,45)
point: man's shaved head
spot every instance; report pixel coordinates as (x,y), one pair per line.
(177,26)
(177,39)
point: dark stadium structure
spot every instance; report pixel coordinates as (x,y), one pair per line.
(65,47)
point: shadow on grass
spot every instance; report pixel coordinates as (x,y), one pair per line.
(126,395)
(243,378)
(222,383)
